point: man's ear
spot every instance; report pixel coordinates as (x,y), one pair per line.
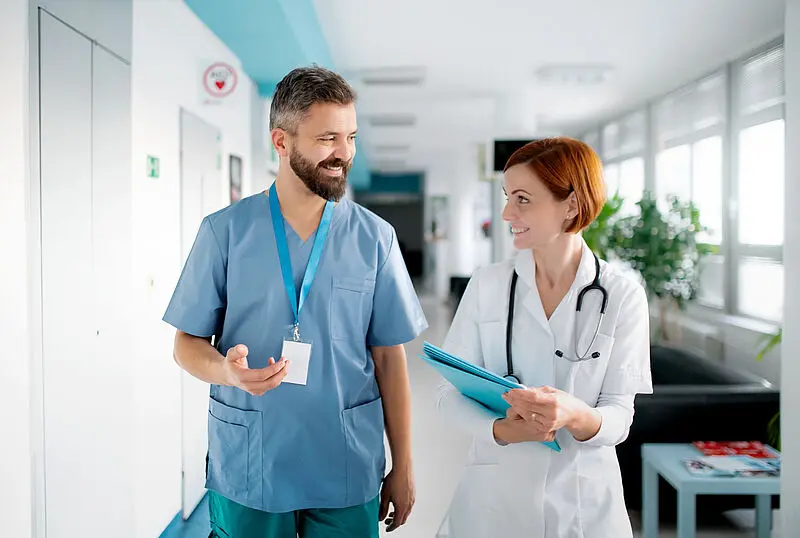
(279,137)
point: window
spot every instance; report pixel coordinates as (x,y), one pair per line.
(689,129)
(761,288)
(707,167)
(624,143)
(759,149)
(611,175)
(694,172)
(674,175)
(761,178)
(631,184)
(592,139)
(720,143)
(625,137)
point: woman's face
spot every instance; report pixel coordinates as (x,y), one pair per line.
(536,217)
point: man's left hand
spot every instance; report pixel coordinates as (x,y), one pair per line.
(398,490)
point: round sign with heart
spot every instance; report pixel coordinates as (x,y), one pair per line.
(220,79)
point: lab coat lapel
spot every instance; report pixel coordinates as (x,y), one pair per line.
(526,270)
(566,319)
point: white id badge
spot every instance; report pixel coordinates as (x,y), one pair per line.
(298,353)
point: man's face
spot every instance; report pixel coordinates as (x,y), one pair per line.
(322,150)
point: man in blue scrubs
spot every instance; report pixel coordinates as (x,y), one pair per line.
(301,276)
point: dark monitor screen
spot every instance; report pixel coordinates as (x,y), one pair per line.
(503,149)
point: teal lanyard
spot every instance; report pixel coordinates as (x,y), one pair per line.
(286,261)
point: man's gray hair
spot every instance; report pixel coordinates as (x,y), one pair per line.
(302,88)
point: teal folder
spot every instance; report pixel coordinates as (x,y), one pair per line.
(474,382)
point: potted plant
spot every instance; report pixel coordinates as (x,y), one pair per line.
(663,248)
(598,234)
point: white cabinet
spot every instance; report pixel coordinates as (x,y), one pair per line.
(85,140)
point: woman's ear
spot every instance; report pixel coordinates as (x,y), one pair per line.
(572,206)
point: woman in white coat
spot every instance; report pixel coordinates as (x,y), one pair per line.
(581,370)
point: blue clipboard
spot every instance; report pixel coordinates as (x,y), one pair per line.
(474,382)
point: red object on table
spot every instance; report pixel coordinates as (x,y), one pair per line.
(754,449)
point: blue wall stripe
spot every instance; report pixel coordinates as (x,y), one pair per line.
(270,38)
(197,526)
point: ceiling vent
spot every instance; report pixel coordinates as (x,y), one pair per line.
(394,76)
(392,120)
(392,148)
(389,164)
(574,74)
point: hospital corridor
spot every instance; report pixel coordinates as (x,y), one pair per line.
(358,269)
(440,452)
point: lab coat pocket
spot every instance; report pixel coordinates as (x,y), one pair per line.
(234,453)
(366,458)
(602,505)
(474,506)
(351,304)
(493,345)
(590,373)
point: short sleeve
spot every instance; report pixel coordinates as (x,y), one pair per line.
(397,316)
(198,303)
(629,365)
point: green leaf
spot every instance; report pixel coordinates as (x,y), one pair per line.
(774,431)
(662,246)
(770,341)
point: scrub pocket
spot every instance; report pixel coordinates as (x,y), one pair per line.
(351,307)
(234,453)
(366,458)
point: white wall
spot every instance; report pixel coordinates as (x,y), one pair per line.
(438,182)
(463,189)
(107,22)
(15,449)
(260,142)
(169,44)
(790,399)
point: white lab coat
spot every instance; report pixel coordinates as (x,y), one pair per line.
(527,490)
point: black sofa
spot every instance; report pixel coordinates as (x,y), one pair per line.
(694,399)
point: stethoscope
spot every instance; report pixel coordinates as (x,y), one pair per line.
(593,286)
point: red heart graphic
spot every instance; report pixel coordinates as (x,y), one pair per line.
(220,84)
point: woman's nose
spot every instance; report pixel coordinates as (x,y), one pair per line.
(508,213)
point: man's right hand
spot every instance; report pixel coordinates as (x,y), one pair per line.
(256,382)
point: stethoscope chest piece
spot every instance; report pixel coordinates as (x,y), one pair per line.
(593,286)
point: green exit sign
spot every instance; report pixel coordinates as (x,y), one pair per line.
(152,166)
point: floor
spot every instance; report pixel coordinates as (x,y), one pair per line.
(439,453)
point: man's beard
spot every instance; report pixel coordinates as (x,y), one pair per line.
(316,178)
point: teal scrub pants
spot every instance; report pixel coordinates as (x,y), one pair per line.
(232,520)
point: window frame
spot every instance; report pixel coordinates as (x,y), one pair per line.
(739,251)
(732,251)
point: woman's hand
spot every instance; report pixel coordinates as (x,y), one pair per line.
(515,429)
(550,409)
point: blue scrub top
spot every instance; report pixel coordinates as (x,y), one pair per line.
(297,447)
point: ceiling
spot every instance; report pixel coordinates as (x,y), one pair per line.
(270,37)
(478,63)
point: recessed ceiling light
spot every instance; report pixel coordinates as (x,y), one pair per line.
(574,74)
(393,76)
(392,120)
(393,147)
(389,164)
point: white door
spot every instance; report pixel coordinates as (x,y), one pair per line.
(86,256)
(202,193)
